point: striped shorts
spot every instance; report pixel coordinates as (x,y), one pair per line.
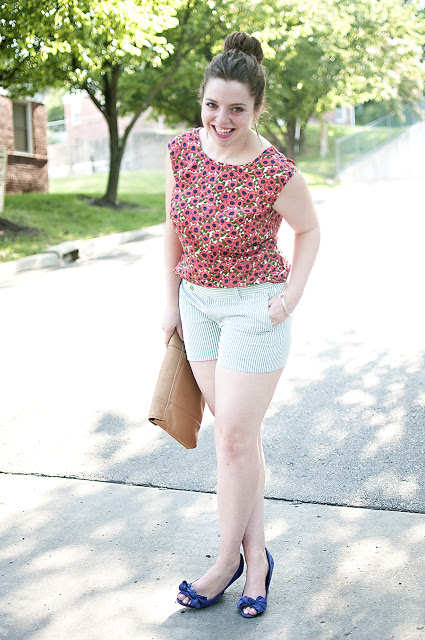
(233,326)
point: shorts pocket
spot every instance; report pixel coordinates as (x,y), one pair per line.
(266,320)
(190,295)
(275,289)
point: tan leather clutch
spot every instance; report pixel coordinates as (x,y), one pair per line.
(178,404)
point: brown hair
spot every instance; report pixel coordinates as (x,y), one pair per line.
(241,61)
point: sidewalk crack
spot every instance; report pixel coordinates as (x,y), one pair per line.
(163,487)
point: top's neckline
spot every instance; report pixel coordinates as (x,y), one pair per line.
(226,164)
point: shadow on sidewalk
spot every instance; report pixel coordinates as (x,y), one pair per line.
(85,561)
(346,429)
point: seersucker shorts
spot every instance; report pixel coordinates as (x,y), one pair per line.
(233,326)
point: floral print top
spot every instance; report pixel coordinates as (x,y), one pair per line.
(223,215)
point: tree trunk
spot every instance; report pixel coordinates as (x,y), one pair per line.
(295,134)
(115,147)
(290,138)
(116,151)
(110,111)
(109,108)
(275,140)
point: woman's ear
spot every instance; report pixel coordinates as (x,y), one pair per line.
(258,111)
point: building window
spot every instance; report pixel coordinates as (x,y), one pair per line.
(22,124)
(340,115)
(76,111)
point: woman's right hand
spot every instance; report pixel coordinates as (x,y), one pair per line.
(171,322)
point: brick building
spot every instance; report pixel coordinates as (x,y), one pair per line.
(83,120)
(23,131)
(83,147)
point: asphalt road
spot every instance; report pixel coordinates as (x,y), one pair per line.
(82,346)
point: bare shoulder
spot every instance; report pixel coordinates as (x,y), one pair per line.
(295,191)
(265,143)
(295,203)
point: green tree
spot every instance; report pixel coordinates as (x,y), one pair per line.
(209,26)
(102,45)
(114,50)
(179,100)
(338,52)
(25,65)
(126,53)
(86,45)
(318,56)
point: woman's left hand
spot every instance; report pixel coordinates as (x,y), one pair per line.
(277,312)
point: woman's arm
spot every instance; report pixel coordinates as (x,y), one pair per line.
(172,253)
(295,205)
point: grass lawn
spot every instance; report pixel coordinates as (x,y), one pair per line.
(318,171)
(367,139)
(64,215)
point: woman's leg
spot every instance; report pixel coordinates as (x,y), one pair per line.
(241,400)
(254,532)
(254,542)
(204,373)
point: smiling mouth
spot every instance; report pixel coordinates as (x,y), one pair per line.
(222,133)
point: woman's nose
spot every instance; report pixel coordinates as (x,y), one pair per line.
(221,116)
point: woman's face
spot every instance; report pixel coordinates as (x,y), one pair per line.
(227,111)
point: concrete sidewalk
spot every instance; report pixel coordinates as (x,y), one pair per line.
(85,560)
(92,549)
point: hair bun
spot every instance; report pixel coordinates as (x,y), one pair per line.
(246,43)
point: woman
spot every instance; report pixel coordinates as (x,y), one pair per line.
(228,295)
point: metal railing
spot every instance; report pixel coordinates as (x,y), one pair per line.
(370,137)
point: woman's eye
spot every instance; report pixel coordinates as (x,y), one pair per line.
(213,105)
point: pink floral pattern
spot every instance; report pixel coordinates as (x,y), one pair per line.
(224,216)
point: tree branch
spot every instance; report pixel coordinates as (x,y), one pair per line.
(277,142)
(92,95)
(180,51)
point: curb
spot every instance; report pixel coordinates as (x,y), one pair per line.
(62,254)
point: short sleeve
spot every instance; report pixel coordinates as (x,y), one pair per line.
(278,170)
(174,148)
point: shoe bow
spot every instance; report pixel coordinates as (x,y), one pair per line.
(195,599)
(259,604)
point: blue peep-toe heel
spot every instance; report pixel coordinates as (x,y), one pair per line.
(260,603)
(200,602)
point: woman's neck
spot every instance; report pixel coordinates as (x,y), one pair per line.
(245,152)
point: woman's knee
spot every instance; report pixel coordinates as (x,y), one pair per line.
(234,440)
